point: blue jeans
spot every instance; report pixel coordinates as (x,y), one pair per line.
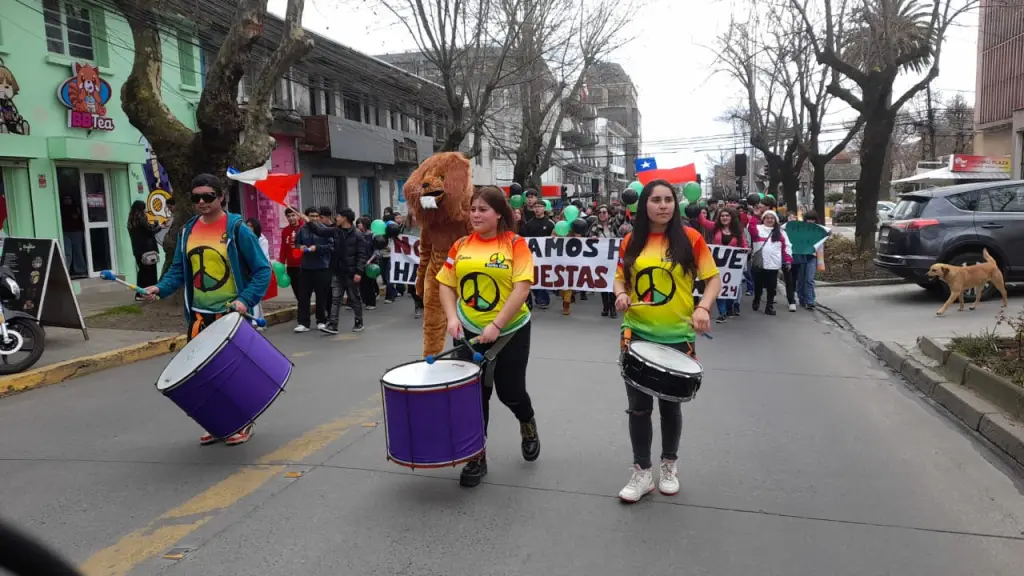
(726,306)
(805,272)
(540,297)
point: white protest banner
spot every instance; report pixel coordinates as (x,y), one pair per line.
(586,264)
(730,261)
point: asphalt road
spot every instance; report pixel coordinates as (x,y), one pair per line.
(800,456)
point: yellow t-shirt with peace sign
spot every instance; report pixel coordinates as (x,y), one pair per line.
(482,271)
(664,289)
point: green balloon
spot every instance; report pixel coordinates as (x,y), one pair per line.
(516,201)
(769,197)
(372,270)
(284,280)
(632,207)
(562,228)
(547,205)
(636,187)
(703,204)
(692,191)
(279,268)
(378,227)
(571,213)
(760,195)
(682,207)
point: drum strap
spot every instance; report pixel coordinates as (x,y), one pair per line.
(489,357)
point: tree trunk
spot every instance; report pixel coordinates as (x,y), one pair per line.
(873,152)
(790,187)
(818,188)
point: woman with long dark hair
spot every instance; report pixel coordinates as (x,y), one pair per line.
(144,245)
(727,231)
(484,285)
(659,263)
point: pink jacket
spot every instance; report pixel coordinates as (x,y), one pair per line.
(716,233)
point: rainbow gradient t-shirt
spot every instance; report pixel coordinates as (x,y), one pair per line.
(213,286)
(483,271)
(664,288)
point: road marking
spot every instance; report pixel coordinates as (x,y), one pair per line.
(177,523)
(300,354)
(345,338)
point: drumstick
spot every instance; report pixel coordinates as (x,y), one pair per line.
(477,357)
(109,275)
(632,304)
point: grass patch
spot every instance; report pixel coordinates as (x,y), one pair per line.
(119,311)
(843,262)
(997,354)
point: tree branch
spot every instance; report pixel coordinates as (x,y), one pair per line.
(257,144)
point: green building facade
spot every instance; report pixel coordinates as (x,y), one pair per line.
(71,163)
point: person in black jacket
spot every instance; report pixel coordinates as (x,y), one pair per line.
(348,261)
(144,245)
(539,227)
(314,273)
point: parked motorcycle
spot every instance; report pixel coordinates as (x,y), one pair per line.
(22,339)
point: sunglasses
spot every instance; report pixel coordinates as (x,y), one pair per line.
(208,198)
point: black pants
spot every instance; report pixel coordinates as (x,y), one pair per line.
(641,429)
(509,374)
(198,322)
(295,275)
(608,301)
(314,283)
(765,281)
(369,290)
(790,280)
(344,283)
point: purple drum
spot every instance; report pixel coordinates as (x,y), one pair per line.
(433,413)
(226,376)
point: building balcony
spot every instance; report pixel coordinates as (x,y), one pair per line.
(575,138)
(577,109)
(356,141)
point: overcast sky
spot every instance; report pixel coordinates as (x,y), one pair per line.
(670,61)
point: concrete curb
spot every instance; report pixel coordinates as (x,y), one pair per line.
(982,405)
(62,371)
(861,283)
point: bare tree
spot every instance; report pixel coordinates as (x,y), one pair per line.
(228,134)
(560,43)
(958,117)
(759,62)
(467,43)
(870,46)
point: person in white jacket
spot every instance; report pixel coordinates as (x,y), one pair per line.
(257,229)
(772,252)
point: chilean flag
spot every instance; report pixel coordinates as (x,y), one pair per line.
(678,175)
(645,164)
(273,186)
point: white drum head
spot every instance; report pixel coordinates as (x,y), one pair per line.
(198,351)
(423,375)
(665,357)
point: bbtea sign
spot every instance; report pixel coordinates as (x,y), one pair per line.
(86,95)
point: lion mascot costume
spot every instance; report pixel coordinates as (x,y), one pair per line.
(439,194)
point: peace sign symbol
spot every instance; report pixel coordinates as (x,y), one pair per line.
(654,286)
(479,291)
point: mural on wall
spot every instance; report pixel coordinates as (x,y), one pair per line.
(157,208)
(11,121)
(85,95)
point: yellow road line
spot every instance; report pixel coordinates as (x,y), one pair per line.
(177,523)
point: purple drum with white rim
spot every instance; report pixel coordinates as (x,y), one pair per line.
(226,376)
(433,413)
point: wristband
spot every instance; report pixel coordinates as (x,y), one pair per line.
(704,308)
(617,294)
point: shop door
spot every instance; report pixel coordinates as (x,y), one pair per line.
(86,221)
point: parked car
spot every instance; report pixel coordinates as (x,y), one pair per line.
(884,210)
(952,225)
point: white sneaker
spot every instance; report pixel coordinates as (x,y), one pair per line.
(321,326)
(300,329)
(792,307)
(641,484)
(668,482)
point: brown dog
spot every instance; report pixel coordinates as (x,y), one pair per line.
(964,277)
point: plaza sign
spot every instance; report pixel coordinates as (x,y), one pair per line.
(979,164)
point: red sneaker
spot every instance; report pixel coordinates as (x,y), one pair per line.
(241,437)
(206,440)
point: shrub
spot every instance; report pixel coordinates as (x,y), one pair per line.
(845,217)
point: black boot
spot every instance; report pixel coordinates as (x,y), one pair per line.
(474,472)
(757,304)
(769,309)
(531,442)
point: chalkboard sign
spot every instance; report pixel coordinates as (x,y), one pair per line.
(46,290)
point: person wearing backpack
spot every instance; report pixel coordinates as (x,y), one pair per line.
(220,264)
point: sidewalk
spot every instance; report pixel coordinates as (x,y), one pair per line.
(69,354)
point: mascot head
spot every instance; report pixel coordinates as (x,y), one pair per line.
(440,189)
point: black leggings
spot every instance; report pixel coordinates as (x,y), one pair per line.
(641,430)
(790,280)
(765,281)
(608,301)
(509,374)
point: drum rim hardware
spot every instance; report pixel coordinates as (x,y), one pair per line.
(417,389)
(699,376)
(237,318)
